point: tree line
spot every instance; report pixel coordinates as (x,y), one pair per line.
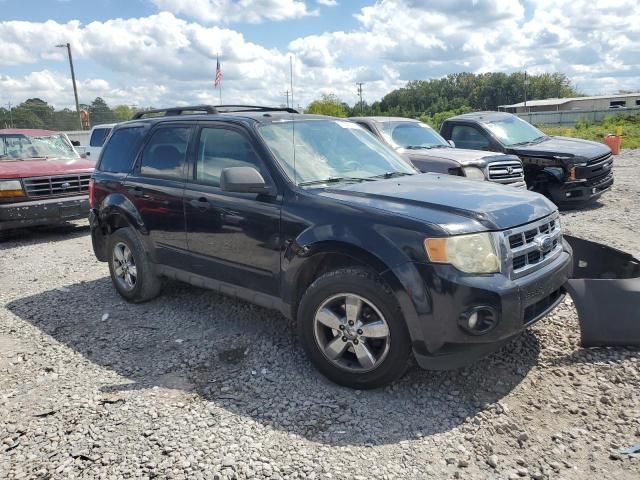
(37,113)
(435,100)
(431,101)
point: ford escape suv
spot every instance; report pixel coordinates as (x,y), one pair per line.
(314,217)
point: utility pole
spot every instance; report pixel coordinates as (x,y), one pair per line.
(526,83)
(287,95)
(359,84)
(10,115)
(73,80)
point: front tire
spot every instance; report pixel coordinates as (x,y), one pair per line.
(353,330)
(132,273)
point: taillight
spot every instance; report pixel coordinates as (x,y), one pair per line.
(92,192)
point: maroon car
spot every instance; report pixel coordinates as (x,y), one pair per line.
(43,180)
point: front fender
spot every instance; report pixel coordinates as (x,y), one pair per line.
(556,172)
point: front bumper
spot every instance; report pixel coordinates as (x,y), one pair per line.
(49,211)
(578,192)
(442,297)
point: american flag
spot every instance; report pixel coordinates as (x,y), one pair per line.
(218,73)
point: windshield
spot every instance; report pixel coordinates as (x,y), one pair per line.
(514,130)
(330,149)
(21,147)
(411,134)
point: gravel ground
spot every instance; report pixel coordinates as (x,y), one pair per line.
(197,385)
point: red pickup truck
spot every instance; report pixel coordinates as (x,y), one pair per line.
(43,180)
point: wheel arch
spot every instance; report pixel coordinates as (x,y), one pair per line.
(312,261)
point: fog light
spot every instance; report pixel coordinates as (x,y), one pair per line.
(473,320)
(478,320)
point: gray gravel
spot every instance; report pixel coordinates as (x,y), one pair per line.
(197,385)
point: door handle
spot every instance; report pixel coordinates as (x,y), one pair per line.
(139,192)
(200,203)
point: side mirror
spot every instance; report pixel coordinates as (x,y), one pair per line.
(243,180)
(452,143)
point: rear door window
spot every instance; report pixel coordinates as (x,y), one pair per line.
(98,137)
(120,151)
(165,154)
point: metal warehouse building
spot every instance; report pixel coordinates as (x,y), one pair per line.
(601,102)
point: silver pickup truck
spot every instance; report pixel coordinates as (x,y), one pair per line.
(429,152)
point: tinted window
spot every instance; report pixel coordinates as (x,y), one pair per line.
(165,154)
(119,152)
(465,136)
(220,148)
(98,137)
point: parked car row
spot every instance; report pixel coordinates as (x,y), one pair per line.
(330,221)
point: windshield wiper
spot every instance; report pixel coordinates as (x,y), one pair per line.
(334,180)
(529,142)
(391,175)
(418,147)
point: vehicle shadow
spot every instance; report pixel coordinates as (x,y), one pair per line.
(247,360)
(44,234)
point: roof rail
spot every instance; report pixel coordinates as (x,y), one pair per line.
(209,109)
(172,111)
(253,108)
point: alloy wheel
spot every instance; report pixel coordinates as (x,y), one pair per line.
(124,266)
(351,332)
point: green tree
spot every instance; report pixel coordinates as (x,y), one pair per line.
(328,105)
(122,113)
(99,112)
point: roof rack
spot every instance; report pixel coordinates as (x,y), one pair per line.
(172,111)
(253,108)
(209,109)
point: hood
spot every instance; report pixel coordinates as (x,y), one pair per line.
(456,204)
(44,168)
(462,156)
(578,150)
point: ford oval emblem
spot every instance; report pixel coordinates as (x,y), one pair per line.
(545,243)
(65,185)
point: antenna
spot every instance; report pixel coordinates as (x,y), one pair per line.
(293,123)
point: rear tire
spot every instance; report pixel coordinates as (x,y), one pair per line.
(377,345)
(132,273)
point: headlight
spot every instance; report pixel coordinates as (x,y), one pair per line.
(11,188)
(474,253)
(473,173)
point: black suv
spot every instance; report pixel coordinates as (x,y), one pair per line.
(313,216)
(569,171)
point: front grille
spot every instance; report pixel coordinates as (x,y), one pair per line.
(510,171)
(58,185)
(534,245)
(601,158)
(600,179)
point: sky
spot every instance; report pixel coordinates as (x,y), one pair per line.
(163,52)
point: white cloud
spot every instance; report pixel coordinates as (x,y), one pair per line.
(327,3)
(230,11)
(163,59)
